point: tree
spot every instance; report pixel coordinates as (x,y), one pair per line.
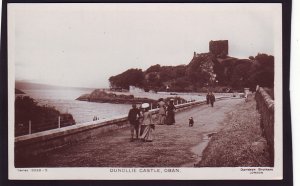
(134,77)
(41,117)
(263,74)
(200,70)
(203,70)
(154,68)
(240,74)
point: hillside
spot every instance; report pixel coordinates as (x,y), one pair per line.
(41,117)
(212,70)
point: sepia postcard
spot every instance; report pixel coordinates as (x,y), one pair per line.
(137,91)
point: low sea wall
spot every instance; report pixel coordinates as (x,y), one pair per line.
(45,141)
(265,106)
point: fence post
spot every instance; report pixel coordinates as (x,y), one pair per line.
(177,101)
(29,128)
(58,121)
(150,106)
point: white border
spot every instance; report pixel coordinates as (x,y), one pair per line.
(295,88)
(185,173)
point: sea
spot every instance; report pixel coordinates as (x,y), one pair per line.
(64,100)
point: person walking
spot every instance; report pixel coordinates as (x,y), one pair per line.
(212,99)
(161,112)
(147,127)
(133,118)
(207,98)
(170,120)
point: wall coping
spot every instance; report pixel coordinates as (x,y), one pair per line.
(267,98)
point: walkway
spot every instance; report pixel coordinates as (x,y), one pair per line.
(172,146)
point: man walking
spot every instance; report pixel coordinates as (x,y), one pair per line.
(133,117)
(212,99)
(207,98)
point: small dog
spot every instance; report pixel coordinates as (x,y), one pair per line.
(191,122)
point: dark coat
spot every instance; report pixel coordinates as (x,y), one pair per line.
(207,98)
(134,115)
(170,119)
(212,98)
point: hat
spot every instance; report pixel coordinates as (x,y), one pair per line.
(145,105)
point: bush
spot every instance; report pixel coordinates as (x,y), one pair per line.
(42,118)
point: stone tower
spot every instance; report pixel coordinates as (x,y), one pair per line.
(219,48)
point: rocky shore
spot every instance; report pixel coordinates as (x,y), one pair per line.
(101,96)
(105,97)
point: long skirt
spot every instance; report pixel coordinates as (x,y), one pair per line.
(142,129)
(147,133)
(161,119)
(170,120)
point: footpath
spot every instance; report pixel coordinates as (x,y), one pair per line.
(174,145)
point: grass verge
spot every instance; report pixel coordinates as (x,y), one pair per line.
(240,142)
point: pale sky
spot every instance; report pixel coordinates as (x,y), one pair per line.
(82,45)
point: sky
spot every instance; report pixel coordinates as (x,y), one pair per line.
(82,45)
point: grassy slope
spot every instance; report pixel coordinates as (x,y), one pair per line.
(239,143)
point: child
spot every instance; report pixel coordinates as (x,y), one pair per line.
(191,122)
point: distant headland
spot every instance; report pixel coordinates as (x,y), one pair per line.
(101,96)
(26,85)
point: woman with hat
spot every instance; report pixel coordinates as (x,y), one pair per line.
(147,126)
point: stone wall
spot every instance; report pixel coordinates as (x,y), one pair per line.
(42,142)
(265,106)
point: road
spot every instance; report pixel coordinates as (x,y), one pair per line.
(174,146)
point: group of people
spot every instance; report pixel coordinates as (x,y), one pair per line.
(166,113)
(141,121)
(95,118)
(210,98)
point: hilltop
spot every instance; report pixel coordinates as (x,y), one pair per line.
(211,70)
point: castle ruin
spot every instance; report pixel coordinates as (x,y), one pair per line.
(219,48)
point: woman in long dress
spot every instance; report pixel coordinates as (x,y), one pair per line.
(170,120)
(147,126)
(161,112)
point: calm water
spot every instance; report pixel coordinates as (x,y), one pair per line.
(82,111)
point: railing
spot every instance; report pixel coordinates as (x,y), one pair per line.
(32,126)
(265,106)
